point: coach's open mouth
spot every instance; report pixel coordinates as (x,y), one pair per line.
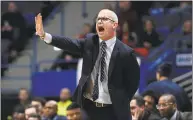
(101,29)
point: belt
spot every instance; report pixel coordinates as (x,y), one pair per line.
(96,104)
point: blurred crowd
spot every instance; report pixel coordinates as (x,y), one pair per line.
(145,32)
(17,28)
(161,100)
(138,28)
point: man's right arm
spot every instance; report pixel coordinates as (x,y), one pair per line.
(67,44)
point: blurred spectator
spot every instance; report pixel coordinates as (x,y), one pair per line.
(64,101)
(85,30)
(13,28)
(23,98)
(167,107)
(181,38)
(38,103)
(187,27)
(149,37)
(18,113)
(50,111)
(47,8)
(183,6)
(128,37)
(165,85)
(29,110)
(186,41)
(138,110)
(150,101)
(74,112)
(126,14)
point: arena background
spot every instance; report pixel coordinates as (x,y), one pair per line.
(45,70)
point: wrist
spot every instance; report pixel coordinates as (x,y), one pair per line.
(43,36)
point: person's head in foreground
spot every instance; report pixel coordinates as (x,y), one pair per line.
(164,71)
(167,105)
(106,24)
(137,107)
(18,113)
(38,103)
(29,110)
(34,117)
(50,109)
(74,112)
(150,100)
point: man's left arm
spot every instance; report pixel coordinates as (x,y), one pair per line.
(131,74)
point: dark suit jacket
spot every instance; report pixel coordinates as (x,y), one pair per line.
(167,86)
(182,116)
(123,74)
(150,116)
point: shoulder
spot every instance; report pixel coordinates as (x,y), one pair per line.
(124,49)
(154,116)
(186,115)
(124,46)
(91,38)
(154,84)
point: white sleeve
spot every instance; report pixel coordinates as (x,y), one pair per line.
(48,38)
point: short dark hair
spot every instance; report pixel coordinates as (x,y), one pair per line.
(152,94)
(139,100)
(172,97)
(165,69)
(40,99)
(72,106)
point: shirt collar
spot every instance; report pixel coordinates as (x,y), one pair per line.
(174,116)
(109,42)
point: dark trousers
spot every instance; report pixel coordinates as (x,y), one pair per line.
(98,113)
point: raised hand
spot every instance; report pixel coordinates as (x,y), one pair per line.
(39,25)
(138,113)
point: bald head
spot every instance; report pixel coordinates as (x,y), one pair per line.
(65,94)
(110,14)
(50,108)
(106,24)
(52,102)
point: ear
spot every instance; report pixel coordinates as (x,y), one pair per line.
(175,106)
(115,25)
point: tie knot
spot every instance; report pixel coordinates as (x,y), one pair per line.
(103,44)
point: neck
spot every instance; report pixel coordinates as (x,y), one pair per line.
(170,115)
(107,38)
(163,78)
(23,101)
(63,100)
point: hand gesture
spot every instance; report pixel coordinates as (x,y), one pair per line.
(138,113)
(39,25)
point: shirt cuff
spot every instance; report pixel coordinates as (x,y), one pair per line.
(48,38)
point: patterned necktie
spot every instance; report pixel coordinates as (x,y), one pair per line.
(102,64)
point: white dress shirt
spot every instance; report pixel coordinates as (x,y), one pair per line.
(104,96)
